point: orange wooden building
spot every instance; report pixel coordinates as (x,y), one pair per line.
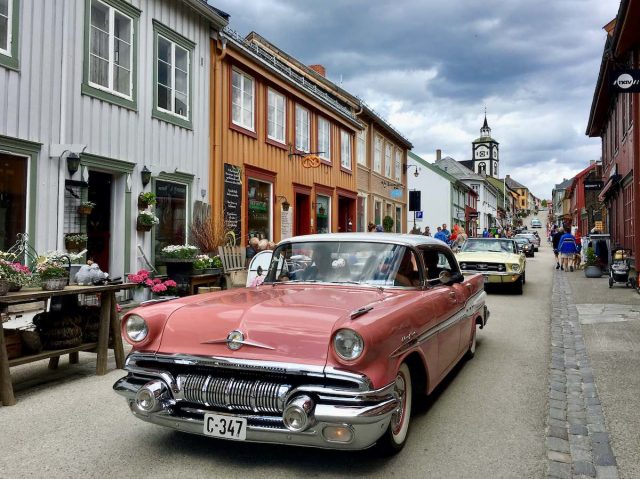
(270,112)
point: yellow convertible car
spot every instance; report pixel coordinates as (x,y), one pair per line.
(496,259)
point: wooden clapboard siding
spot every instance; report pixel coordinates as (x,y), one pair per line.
(253,150)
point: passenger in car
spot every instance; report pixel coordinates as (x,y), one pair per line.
(431,262)
(407,274)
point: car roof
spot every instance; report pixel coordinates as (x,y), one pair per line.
(393,238)
(489,239)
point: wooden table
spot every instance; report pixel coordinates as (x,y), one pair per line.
(196,280)
(108,321)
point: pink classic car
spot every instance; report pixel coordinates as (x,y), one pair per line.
(328,352)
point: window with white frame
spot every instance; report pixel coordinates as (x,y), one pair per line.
(6,17)
(303,129)
(345,149)
(242,100)
(324,139)
(173,77)
(377,155)
(398,165)
(111,50)
(387,160)
(361,212)
(361,147)
(276,116)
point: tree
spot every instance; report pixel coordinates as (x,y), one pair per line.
(544,203)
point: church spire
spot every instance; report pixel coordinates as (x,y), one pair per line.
(485,131)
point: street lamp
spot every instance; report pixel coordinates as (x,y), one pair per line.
(145,176)
(415,173)
(73,163)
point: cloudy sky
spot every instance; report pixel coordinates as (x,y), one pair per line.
(430,67)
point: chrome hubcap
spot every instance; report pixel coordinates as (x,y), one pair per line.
(398,416)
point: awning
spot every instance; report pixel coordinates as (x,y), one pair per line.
(609,186)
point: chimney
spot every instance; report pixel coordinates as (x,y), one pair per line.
(319,69)
(438,154)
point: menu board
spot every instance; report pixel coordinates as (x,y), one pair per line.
(286,223)
(233,200)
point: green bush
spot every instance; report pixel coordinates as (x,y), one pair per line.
(387,224)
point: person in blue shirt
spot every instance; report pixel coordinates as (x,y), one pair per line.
(485,233)
(568,248)
(440,235)
(446,232)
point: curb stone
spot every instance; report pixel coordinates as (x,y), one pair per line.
(578,443)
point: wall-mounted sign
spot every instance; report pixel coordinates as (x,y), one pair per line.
(419,215)
(593,185)
(625,81)
(286,223)
(233,200)
(396,193)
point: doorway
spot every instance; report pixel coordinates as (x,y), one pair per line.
(99,221)
(302,211)
(13,199)
(346,214)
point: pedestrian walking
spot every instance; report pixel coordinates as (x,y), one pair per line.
(555,240)
(371,227)
(446,232)
(427,231)
(568,249)
(440,235)
(577,258)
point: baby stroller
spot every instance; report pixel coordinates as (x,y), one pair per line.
(620,267)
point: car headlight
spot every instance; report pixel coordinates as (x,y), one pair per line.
(515,268)
(136,328)
(348,344)
(463,265)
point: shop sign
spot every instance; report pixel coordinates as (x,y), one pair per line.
(233,200)
(625,81)
(396,193)
(593,185)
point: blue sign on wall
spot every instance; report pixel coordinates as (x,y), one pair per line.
(396,193)
(418,215)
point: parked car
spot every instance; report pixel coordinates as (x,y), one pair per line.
(531,237)
(327,352)
(525,246)
(497,259)
(536,223)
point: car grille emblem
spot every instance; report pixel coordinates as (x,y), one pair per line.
(235,340)
(482,266)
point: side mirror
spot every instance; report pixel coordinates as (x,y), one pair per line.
(259,271)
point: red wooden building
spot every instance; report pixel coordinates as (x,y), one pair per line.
(613,118)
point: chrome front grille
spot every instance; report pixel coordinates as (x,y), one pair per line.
(234,394)
(482,267)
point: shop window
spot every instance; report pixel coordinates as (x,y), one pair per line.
(377,212)
(171,210)
(398,224)
(13,199)
(323,214)
(260,207)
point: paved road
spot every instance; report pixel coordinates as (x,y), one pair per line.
(488,420)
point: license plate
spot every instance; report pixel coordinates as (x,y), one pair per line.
(224,426)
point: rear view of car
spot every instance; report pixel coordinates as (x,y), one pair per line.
(536,223)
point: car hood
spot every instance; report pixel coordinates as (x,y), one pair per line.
(279,323)
(487,257)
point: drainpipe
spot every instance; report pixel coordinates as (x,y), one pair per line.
(63,128)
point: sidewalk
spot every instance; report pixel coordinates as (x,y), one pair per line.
(610,323)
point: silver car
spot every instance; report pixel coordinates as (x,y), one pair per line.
(535,240)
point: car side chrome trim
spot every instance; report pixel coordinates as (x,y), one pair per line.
(473,304)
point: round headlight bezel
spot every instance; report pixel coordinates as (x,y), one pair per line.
(139,333)
(348,344)
(515,268)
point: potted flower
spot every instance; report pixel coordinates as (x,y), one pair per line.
(166,288)
(144,281)
(179,260)
(7,275)
(75,241)
(146,220)
(86,207)
(201,263)
(592,266)
(215,267)
(53,274)
(145,200)
(21,276)
(387,223)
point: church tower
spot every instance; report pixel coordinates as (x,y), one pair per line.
(485,152)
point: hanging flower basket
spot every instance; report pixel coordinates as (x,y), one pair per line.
(140,226)
(146,220)
(86,207)
(75,242)
(145,200)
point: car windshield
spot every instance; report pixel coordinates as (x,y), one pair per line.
(349,262)
(488,245)
(526,236)
(522,240)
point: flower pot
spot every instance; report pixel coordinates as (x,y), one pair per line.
(213,271)
(593,272)
(14,287)
(74,246)
(85,210)
(54,284)
(141,294)
(143,227)
(4,287)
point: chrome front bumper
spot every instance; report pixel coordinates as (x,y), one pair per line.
(495,277)
(366,413)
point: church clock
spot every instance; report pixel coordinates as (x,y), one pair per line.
(485,152)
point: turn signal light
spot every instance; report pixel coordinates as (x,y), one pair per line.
(338,434)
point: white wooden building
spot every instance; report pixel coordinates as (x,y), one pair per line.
(124,85)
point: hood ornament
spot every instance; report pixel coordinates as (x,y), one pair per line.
(235,340)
